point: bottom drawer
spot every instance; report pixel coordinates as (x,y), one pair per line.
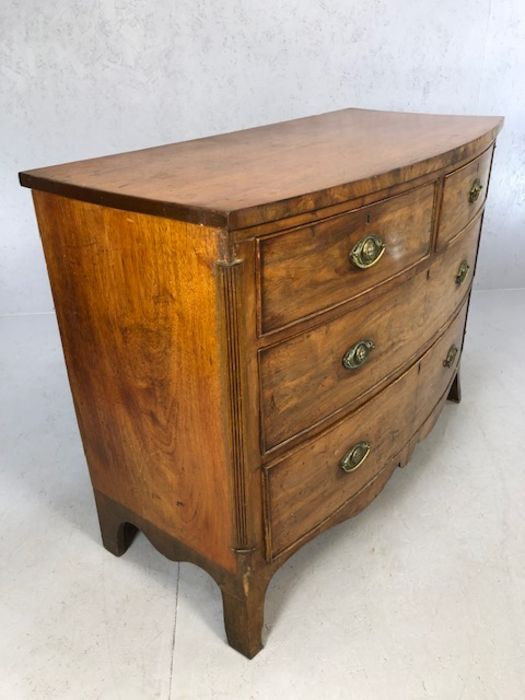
(309,484)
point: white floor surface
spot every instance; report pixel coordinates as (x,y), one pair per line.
(421,596)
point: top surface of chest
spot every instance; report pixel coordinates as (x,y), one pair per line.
(250,177)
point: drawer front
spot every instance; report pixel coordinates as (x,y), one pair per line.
(451,274)
(303,379)
(312,268)
(310,485)
(464,194)
(438,367)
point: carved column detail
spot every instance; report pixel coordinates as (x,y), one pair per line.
(230,281)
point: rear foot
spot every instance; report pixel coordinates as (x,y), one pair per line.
(117,534)
(454,393)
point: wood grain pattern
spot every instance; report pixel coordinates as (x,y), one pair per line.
(303,380)
(456,209)
(308,269)
(356,201)
(444,294)
(136,300)
(270,172)
(309,485)
(435,377)
(369,492)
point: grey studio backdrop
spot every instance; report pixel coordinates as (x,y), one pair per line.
(80,79)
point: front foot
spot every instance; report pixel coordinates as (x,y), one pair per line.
(244,616)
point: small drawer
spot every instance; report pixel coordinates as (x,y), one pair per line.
(464,194)
(438,367)
(315,267)
(309,485)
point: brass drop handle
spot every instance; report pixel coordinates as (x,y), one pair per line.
(475,191)
(462,272)
(358,354)
(367,252)
(355,457)
(451,356)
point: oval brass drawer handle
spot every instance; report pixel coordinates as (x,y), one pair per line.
(475,190)
(463,269)
(451,356)
(355,457)
(367,252)
(358,354)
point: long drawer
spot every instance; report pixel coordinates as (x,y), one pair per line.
(310,377)
(321,265)
(308,486)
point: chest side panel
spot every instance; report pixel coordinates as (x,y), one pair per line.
(137,303)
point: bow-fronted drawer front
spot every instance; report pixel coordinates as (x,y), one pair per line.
(464,194)
(439,365)
(315,267)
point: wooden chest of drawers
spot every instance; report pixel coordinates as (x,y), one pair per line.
(258,327)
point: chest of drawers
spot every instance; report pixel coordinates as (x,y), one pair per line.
(259,326)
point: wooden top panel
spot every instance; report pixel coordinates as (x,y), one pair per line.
(249,177)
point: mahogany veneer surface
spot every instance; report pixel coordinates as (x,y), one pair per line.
(247,176)
(259,326)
